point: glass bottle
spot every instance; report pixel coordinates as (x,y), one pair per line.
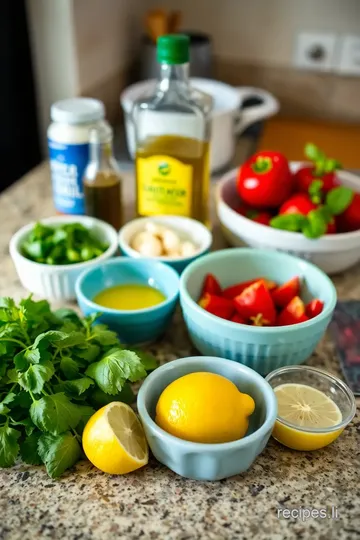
(102,180)
(172,131)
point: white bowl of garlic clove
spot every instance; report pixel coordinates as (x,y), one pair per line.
(174,240)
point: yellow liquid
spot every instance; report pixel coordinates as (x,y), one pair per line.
(325,413)
(181,187)
(129,297)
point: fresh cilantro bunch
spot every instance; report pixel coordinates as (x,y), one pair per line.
(56,369)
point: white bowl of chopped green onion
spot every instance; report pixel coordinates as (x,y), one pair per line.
(51,254)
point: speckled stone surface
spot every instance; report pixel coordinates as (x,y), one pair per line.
(154,503)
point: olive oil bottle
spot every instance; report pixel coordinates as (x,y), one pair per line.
(102,180)
(172,132)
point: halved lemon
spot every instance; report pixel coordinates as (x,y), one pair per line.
(114,440)
(306,407)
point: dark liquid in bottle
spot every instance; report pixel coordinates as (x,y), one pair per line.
(103,198)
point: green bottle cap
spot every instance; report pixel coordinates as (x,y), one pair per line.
(173,49)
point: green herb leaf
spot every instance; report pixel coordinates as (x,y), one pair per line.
(55,413)
(12,375)
(9,447)
(111,372)
(59,452)
(66,314)
(36,376)
(29,449)
(98,398)
(61,340)
(78,386)
(9,398)
(86,413)
(147,359)
(312,152)
(289,222)
(104,336)
(339,199)
(69,367)
(22,400)
(89,353)
(316,225)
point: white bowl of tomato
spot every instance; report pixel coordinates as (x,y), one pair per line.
(299,208)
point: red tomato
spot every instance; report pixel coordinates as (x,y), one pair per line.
(216,305)
(236,318)
(304,177)
(293,313)
(211,285)
(350,219)
(331,228)
(254,301)
(264,180)
(297,204)
(286,292)
(238,288)
(314,308)
(263,218)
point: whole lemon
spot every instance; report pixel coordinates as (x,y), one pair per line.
(204,407)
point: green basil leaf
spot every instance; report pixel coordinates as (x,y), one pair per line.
(316,225)
(289,222)
(339,199)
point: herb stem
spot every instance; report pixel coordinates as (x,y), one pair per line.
(32,396)
(13,340)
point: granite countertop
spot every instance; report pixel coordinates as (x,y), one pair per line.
(154,503)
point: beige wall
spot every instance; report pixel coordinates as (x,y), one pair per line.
(54,55)
(263,31)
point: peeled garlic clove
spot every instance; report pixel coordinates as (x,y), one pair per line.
(188,249)
(154,228)
(176,253)
(147,244)
(171,241)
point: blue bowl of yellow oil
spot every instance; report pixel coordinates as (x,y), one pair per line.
(136,298)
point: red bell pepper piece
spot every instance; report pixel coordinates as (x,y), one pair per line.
(234,290)
(211,286)
(314,308)
(256,300)
(265,180)
(286,292)
(293,313)
(236,318)
(221,307)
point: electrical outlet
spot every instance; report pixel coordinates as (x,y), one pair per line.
(349,56)
(315,51)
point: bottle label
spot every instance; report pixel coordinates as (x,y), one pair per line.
(164,186)
(67,164)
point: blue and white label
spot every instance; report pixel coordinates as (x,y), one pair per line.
(67,164)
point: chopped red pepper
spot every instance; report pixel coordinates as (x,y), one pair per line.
(286,292)
(235,290)
(221,307)
(256,300)
(314,308)
(211,285)
(293,313)
(236,318)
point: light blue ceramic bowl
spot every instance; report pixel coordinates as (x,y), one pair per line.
(186,228)
(263,349)
(208,461)
(133,327)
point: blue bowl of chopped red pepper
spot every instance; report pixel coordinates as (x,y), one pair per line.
(263,348)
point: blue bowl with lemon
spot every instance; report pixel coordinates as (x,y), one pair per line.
(263,348)
(136,298)
(206,418)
